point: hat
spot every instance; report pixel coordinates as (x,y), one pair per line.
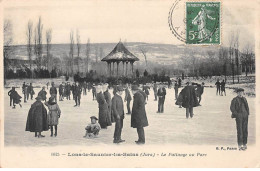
(51,99)
(38,98)
(93,117)
(239,90)
(135,87)
(203,83)
(120,88)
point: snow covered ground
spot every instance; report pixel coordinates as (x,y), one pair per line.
(211,125)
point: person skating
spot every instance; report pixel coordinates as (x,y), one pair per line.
(200,91)
(25,92)
(31,91)
(53,91)
(53,115)
(94,92)
(146,90)
(107,96)
(73,90)
(37,118)
(14,97)
(138,117)
(85,88)
(176,89)
(189,99)
(67,90)
(218,87)
(118,112)
(92,129)
(161,95)
(77,92)
(103,108)
(223,88)
(43,94)
(61,92)
(155,91)
(28,91)
(128,99)
(240,111)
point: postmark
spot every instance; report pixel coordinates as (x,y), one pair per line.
(196,22)
(203,22)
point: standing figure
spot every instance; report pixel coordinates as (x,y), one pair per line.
(73,90)
(31,91)
(14,97)
(189,99)
(240,111)
(67,90)
(138,117)
(176,90)
(128,99)
(61,90)
(47,84)
(94,92)
(161,94)
(223,88)
(77,92)
(179,81)
(200,91)
(43,94)
(107,96)
(53,115)
(218,87)
(53,91)
(28,91)
(155,91)
(118,112)
(85,88)
(146,90)
(103,108)
(37,118)
(25,92)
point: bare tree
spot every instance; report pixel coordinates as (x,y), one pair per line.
(78,48)
(236,46)
(48,48)
(87,55)
(72,51)
(247,57)
(29,34)
(231,53)
(38,43)
(8,48)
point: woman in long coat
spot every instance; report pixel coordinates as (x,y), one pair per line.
(53,115)
(108,99)
(37,118)
(103,109)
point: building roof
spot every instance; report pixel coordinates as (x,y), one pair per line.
(120,53)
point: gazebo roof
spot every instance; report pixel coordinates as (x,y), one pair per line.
(120,53)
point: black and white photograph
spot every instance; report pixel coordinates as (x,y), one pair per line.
(131,83)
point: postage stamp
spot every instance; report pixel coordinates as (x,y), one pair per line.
(203,22)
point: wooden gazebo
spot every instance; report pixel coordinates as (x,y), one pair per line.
(117,55)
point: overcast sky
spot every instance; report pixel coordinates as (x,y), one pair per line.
(109,21)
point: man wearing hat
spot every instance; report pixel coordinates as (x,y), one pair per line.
(102,108)
(240,111)
(53,91)
(161,95)
(107,96)
(77,91)
(138,117)
(37,118)
(118,112)
(93,128)
(68,89)
(128,99)
(43,94)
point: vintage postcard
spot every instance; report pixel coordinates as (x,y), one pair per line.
(129,84)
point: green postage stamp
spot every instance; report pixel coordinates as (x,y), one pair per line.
(203,22)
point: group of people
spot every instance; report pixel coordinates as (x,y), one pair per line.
(111,108)
(221,87)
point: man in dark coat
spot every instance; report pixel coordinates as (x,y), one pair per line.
(25,92)
(179,81)
(14,97)
(85,88)
(37,118)
(176,90)
(118,112)
(31,91)
(67,90)
(189,99)
(43,94)
(200,91)
(240,110)
(73,90)
(77,92)
(94,92)
(161,94)
(53,91)
(128,99)
(61,92)
(223,88)
(103,108)
(218,87)
(107,96)
(146,89)
(155,91)
(138,117)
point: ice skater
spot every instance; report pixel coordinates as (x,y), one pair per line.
(14,97)
(223,88)
(218,87)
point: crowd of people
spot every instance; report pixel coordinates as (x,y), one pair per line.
(111,107)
